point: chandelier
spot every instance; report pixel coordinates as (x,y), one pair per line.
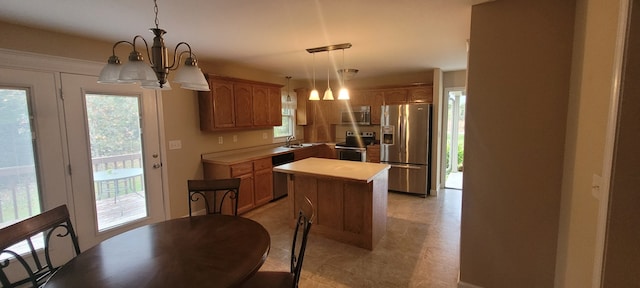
(154,76)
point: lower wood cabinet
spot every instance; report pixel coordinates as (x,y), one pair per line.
(373,153)
(256,181)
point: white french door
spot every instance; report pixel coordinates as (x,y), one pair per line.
(115,161)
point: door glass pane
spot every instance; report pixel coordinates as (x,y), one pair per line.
(116,156)
(19,193)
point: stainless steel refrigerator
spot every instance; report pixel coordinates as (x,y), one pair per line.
(405,144)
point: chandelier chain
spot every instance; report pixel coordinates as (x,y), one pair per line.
(155,10)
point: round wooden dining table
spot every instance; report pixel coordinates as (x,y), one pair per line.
(198,251)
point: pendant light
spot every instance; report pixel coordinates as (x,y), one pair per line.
(314,93)
(328,95)
(344,92)
(288,89)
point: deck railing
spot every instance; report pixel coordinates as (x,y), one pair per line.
(19,197)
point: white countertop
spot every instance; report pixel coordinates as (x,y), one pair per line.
(350,170)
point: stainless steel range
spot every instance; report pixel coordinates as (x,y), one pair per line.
(355,146)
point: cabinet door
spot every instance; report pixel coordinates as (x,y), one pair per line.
(275,107)
(357,98)
(303,115)
(395,96)
(243,104)
(263,187)
(422,94)
(260,106)
(245,197)
(377,100)
(223,104)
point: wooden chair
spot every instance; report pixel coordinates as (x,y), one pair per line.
(210,190)
(282,278)
(38,266)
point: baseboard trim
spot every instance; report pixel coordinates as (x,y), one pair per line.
(467,285)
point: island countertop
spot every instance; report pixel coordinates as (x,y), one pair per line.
(342,169)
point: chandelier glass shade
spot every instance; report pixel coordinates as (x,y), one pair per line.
(154,76)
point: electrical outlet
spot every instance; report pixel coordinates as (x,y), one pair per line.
(235,138)
(175,144)
(264,135)
(220,141)
(596,182)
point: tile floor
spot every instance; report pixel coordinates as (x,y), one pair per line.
(420,248)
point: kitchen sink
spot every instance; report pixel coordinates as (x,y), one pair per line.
(301,145)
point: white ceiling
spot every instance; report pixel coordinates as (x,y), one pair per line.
(388,37)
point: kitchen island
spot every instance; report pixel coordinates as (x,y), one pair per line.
(349,198)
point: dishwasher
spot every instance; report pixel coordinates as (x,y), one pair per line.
(280,179)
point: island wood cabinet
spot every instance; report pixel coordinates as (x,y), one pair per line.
(236,104)
(256,181)
(349,198)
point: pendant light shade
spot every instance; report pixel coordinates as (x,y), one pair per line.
(314,95)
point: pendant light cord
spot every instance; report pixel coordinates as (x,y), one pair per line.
(328,65)
(314,71)
(155,10)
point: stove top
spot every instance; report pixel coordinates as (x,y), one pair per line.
(358,140)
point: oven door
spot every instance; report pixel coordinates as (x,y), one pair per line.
(352,154)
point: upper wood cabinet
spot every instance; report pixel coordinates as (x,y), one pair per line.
(239,104)
(219,98)
(275,107)
(244,102)
(421,94)
(260,106)
(395,96)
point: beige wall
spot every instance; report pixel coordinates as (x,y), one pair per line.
(518,92)
(451,79)
(591,86)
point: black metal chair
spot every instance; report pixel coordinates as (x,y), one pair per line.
(210,190)
(37,265)
(281,278)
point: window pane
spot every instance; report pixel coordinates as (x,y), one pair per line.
(287,125)
(116,155)
(19,193)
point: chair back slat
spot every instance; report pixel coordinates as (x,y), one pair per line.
(215,192)
(300,236)
(55,221)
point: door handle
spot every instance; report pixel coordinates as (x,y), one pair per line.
(406,167)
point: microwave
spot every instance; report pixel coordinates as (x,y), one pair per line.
(360,115)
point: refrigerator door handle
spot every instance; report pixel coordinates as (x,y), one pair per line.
(402,132)
(407,166)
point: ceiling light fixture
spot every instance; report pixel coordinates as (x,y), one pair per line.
(328,94)
(288,89)
(344,92)
(154,76)
(314,93)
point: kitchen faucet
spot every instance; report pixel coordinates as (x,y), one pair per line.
(288,140)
